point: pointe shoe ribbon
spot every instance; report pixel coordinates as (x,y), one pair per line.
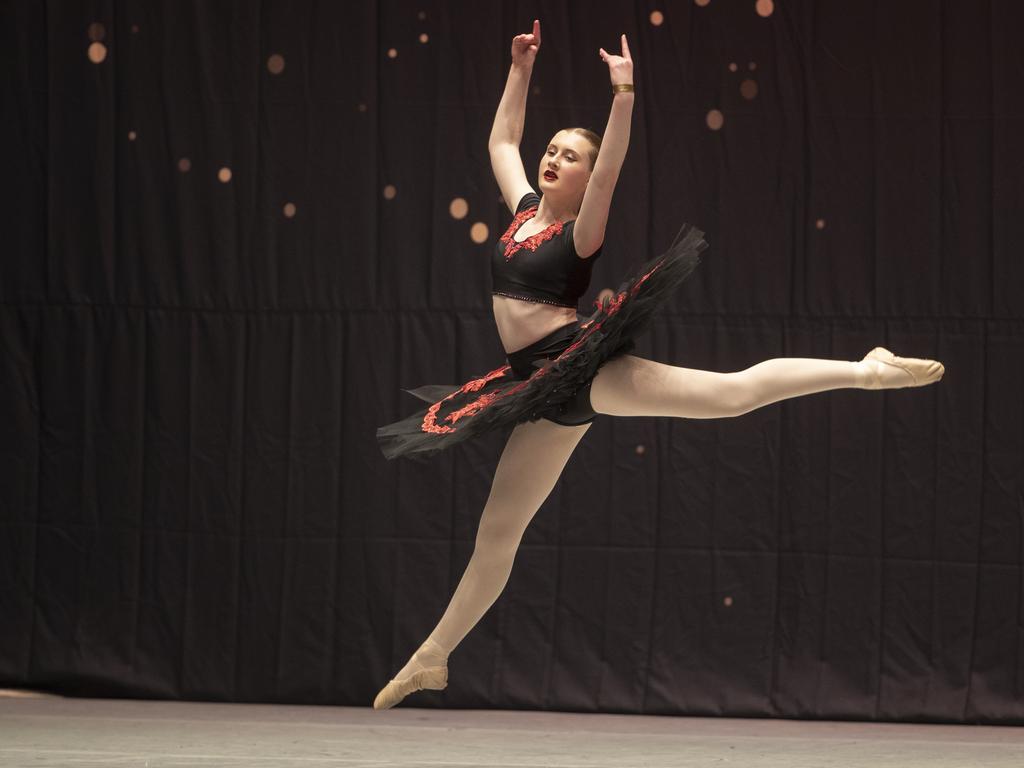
(921,371)
(434,678)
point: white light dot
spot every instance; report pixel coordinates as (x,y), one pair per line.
(715,119)
(392,53)
(478,232)
(224,174)
(424,37)
(289,210)
(275,64)
(390,192)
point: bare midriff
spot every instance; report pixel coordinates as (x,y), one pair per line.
(521,322)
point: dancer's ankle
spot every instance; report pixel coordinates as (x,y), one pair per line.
(862,374)
(431,652)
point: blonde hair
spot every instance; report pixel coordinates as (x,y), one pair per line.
(595,142)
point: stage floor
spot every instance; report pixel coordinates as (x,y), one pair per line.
(40,730)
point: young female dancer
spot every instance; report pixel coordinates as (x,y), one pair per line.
(562,372)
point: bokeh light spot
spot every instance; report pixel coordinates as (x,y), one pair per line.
(748,89)
(701,3)
(421,15)
(715,119)
(135,29)
(424,37)
(184,165)
(458,208)
(97,52)
(132,135)
(96,31)
(392,53)
(478,232)
(727,600)
(732,66)
(657,18)
(275,64)
(289,210)
(765,8)
(361,107)
(390,192)
(224,174)
(640,449)
(752,66)
(820,223)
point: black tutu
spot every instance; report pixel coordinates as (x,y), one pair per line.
(501,399)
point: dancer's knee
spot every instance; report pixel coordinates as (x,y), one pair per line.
(499,535)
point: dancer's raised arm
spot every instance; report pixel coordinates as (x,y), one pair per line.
(593,215)
(507,130)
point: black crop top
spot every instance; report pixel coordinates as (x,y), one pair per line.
(544,267)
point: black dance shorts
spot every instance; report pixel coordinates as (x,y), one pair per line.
(574,411)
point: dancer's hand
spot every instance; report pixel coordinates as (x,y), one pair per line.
(620,68)
(525,47)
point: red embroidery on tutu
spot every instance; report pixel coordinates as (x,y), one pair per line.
(468,410)
(533,241)
(613,306)
(430,419)
(475,384)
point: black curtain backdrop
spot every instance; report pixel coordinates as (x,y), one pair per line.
(230,240)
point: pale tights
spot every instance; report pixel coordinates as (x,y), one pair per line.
(536,453)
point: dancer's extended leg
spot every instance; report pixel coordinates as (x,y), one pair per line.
(530,465)
(633,386)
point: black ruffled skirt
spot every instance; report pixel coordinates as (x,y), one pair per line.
(564,363)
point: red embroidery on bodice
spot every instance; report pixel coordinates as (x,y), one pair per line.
(533,241)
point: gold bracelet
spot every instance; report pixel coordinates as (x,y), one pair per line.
(622,88)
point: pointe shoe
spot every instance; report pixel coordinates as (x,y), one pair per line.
(921,371)
(434,678)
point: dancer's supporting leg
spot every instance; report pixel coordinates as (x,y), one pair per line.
(530,464)
(634,386)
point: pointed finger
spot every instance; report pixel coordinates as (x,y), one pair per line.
(625,46)
(536,29)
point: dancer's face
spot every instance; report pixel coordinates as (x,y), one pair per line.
(568,157)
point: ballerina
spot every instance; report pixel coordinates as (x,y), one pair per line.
(561,371)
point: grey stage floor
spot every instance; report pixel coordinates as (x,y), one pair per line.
(49,731)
